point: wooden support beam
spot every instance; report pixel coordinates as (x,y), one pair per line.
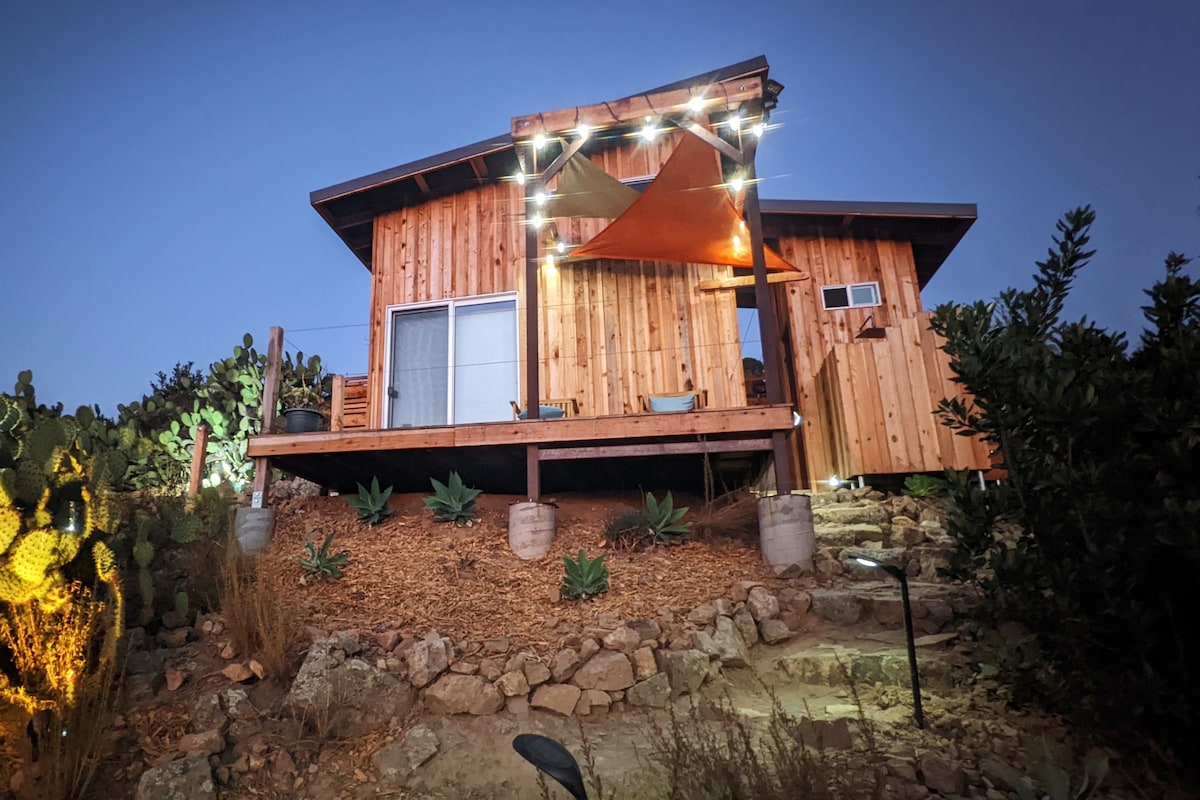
(748,280)
(262,466)
(422,184)
(720,145)
(558,163)
(533,473)
(479,167)
(718,96)
(532,389)
(199,451)
(654,449)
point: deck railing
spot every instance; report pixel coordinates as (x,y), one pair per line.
(349,403)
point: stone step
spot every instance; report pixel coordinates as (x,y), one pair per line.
(935,607)
(869,664)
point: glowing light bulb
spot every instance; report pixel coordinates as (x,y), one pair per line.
(758,129)
(550,260)
(583,130)
(696,104)
(539,140)
(834,482)
(520,178)
(561,246)
(737,242)
(737,183)
(649,131)
(540,198)
(735,122)
(536,220)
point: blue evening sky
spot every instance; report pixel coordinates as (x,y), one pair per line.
(157,156)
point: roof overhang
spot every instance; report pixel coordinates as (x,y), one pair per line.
(934,229)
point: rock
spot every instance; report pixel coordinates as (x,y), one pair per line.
(355,696)
(744,622)
(203,744)
(346,641)
(647,629)
(207,713)
(497,646)
(762,604)
(145,662)
(515,664)
(644,663)
(517,706)
(833,734)
(536,673)
(491,669)
(228,651)
(624,639)
(177,637)
(588,648)
(775,631)
(836,606)
(463,694)
(387,640)
(184,779)
(560,698)
(464,667)
(867,514)
(427,659)
(725,607)
(564,664)
(396,761)
(654,692)
(608,670)
(703,642)
(237,673)
(591,700)
(907,532)
(941,776)
(513,684)
(731,649)
(257,668)
(703,615)
(741,590)
(284,764)
(685,670)
(237,703)
(175,679)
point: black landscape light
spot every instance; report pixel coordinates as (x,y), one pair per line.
(899,575)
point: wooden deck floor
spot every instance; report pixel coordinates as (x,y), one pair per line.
(573,453)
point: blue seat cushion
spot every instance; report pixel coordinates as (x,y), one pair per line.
(544,412)
(679,402)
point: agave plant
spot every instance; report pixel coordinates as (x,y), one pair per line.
(453,501)
(372,504)
(664,519)
(584,577)
(320,563)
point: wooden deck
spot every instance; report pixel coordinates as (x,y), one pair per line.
(656,451)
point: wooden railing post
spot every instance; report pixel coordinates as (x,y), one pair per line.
(337,401)
(262,466)
(198,456)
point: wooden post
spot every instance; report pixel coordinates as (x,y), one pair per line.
(767,326)
(533,184)
(337,400)
(198,454)
(262,466)
(533,473)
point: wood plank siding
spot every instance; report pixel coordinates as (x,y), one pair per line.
(610,331)
(867,403)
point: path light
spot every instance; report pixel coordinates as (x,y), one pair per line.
(898,574)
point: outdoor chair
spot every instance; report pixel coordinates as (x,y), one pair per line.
(676,401)
(548,409)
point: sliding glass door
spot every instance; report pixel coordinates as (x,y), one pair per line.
(453,362)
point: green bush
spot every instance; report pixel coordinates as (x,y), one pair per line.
(924,486)
(1091,543)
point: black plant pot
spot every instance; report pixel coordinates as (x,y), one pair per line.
(302,420)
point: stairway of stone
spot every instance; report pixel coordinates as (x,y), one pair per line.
(854,630)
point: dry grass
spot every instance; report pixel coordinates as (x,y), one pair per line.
(255,619)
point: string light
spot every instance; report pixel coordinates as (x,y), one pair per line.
(539,141)
(758,129)
(536,220)
(561,246)
(737,183)
(735,122)
(540,199)
(550,261)
(696,104)
(583,131)
(649,131)
(519,178)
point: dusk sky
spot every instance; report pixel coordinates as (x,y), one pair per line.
(157,156)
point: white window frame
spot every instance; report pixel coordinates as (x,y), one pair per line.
(450,304)
(850,287)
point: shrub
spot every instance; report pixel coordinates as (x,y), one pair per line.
(584,577)
(372,504)
(320,563)
(453,501)
(924,486)
(1091,545)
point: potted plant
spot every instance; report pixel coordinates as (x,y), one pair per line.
(303,394)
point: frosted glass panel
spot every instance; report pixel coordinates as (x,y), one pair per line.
(420,367)
(485,361)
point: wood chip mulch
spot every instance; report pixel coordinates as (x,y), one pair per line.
(414,575)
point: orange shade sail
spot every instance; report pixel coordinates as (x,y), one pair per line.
(684,215)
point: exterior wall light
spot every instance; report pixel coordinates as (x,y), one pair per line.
(899,575)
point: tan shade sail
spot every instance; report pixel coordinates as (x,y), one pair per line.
(585,190)
(684,215)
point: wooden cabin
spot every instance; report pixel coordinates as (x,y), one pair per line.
(612,246)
